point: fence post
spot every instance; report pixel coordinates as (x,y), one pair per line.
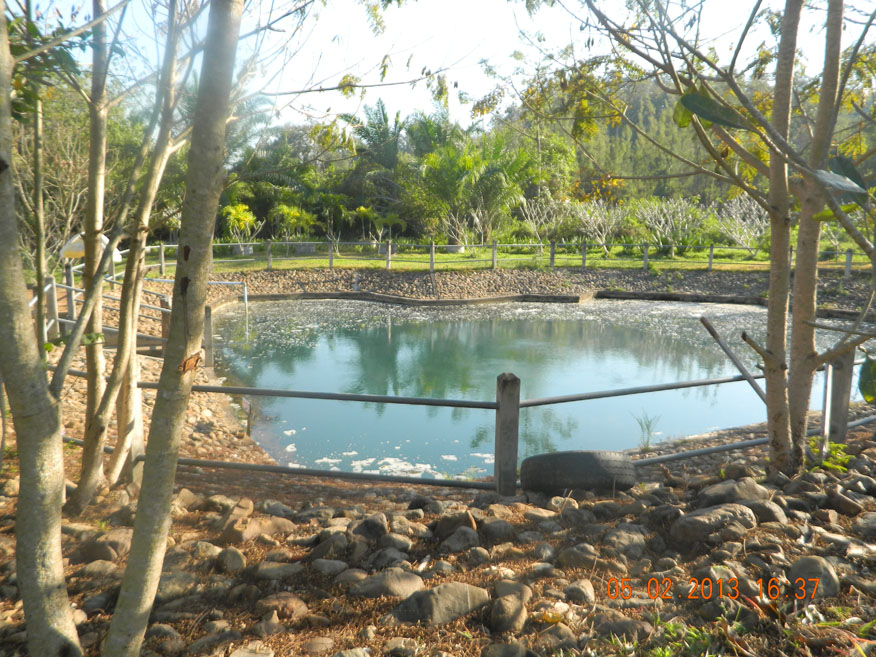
(388,254)
(52,310)
(331,250)
(164,302)
(711,255)
(553,252)
(841,388)
(432,256)
(269,264)
(848,273)
(645,257)
(161,266)
(583,255)
(71,295)
(495,254)
(208,336)
(507,425)
(246,406)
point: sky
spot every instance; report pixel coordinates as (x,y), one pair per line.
(449,35)
(455,35)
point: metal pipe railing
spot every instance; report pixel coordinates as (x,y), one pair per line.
(309,472)
(637,390)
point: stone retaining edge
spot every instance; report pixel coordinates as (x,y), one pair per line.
(411,301)
(685,297)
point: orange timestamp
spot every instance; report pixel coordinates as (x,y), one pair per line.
(707,588)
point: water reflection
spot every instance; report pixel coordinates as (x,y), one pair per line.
(556,349)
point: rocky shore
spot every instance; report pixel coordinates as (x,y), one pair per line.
(834,290)
(706,556)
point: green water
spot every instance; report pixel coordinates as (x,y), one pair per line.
(555,349)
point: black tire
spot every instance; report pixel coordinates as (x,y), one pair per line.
(558,472)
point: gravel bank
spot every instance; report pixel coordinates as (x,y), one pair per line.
(834,290)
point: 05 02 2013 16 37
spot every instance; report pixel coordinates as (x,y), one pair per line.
(707,588)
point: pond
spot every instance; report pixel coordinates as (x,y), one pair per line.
(457,352)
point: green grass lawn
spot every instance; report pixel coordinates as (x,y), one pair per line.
(417,259)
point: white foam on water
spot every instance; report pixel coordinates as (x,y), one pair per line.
(358,465)
(488,458)
(291,432)
(349,453)
(327,461)
(397,466)
(449,457)
(291,448)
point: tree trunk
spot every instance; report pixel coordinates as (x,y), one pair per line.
(804,355)
(98,423)
(39,562)
(39,220)
(775,365)
(129,418)
(92,459)
(135,271)
(203,184)
(129,411)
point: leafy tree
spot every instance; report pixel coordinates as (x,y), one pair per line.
(542,215)
(743,221)
(290,221)
(424,133)
(672,223)
(598,221)
(240,223)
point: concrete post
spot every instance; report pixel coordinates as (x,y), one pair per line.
(645,257)
(848,272)
(843,371)
(161,265)
(331,248)
(431,257)
(495,254)
(507,426)
(711,255)
(71,295)
(553,253)
(208,336)
(51,317)
(269,265)
(388,254)
(584,255)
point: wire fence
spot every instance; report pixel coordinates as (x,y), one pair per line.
(269,254)
(507,407)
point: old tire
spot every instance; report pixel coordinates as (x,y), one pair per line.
(558,472)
